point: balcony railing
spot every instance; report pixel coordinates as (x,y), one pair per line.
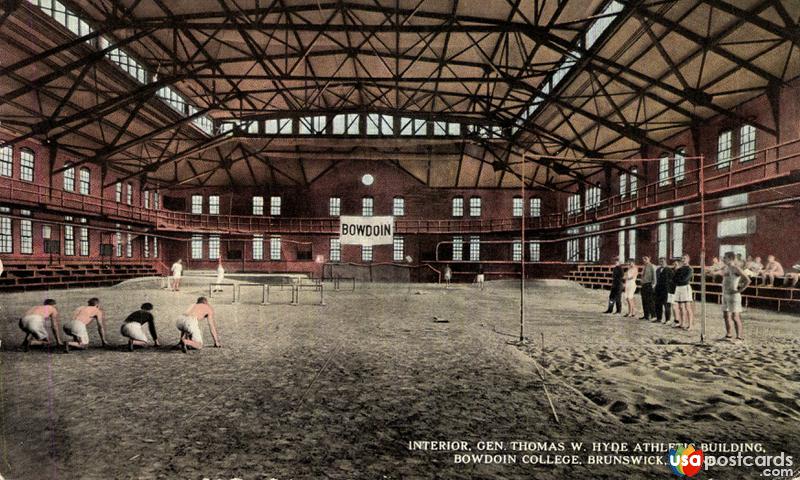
(763,166)
(772,164)
(71,203)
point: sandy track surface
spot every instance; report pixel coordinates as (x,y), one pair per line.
(339,391)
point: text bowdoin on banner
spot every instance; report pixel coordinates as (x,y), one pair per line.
(366,230)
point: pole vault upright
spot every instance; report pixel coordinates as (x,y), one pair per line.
(702,189)
(522,257)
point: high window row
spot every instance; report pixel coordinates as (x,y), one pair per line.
(356,124)
(119,57)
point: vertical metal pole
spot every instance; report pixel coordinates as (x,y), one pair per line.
(702,187)
(522,260)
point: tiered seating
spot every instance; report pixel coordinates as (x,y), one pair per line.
(44,276)
(599,276)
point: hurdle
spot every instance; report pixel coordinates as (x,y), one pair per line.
(338,279)
(164,281)
(295,294)
(320,288)
(264,291)
(213,284)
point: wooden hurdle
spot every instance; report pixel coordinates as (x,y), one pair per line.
(320,288)
(213,284)
(264,289)
(338,279)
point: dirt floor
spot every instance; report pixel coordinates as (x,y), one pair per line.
(339,391)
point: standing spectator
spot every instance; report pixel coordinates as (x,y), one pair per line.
(734,281)
(615,295)
(220,276)
(448,275)
(684,296)
(663,291)
(772,270)
(676,311)
(177,272)
(630,288)
(648,279)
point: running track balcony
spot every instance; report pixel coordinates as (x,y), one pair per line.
(769,167)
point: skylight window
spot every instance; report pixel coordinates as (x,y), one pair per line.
(203,122)
(379,124)
(595,31)
(313,125)
(345,124)
(278,126)
(173,99)
(412,126)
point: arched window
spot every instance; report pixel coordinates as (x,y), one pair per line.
(516,207)
(398,206)
(367,206)
(679,166)
(536,207)
(69,178)
(663,170)
(26,165)
(458,206)
(84,185)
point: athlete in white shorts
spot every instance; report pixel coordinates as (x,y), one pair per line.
(188,325)
(177,273)
(133,328)
(683,293)
(33,323)
(734,281)
(76,328)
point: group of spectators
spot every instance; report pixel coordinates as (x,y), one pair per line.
(755,270)
(665,289)
(667,295)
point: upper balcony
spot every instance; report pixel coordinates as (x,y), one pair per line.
(765,168)
(57,200)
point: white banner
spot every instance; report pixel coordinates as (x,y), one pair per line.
(366,230)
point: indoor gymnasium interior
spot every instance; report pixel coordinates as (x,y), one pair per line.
(403,239)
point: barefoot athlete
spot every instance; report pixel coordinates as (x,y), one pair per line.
(684,296)
(33,324)
(734,281)
(188,325)
(133,328)
(76,328)
(177,272)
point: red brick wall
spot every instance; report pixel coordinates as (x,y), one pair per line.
(41,215)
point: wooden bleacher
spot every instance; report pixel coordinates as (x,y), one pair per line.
(757,294)
(21,277)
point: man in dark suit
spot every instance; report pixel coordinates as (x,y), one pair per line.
(663,290)
(617,281)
